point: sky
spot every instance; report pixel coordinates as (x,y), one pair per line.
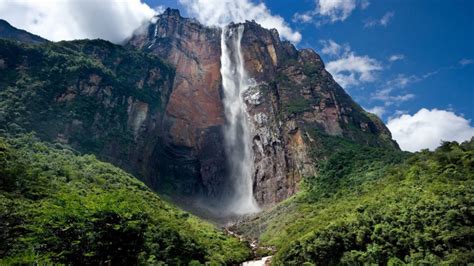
(411,62)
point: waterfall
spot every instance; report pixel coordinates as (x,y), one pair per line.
(236,132)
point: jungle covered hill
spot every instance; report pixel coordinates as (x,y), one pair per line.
(57,206)
(373,206)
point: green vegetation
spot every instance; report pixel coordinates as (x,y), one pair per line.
(310,69)
(297,106)
(326,147)
(373,206)
(80,89)
(59,207)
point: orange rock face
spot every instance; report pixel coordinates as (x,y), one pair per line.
(192,139)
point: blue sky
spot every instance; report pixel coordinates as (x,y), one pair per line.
(409,61)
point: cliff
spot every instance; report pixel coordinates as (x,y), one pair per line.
(295,100)
(193,159)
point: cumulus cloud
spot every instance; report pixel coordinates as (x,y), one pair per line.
(222,12)
(57,20)
(397,113)
(396,57)
(349,69)
(383,21)
(427,128)
(330,11)
(352,69)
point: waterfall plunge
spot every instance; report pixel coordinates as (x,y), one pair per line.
(236,133)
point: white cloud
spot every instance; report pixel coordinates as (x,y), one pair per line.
(465,62)
(352,69)
(389,92)
(334,49)
(364,4)
(396,57)
(386,93)
(427,128)
(378,110)
(401,81)
(349,69)
(389,99)
(56,20)
(336,10)
(386,18)
(397,113)
(222,12)
(383,21)
(303,17)
(429,74)
(330,11)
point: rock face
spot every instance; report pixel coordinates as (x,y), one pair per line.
(294,96)
(193,160)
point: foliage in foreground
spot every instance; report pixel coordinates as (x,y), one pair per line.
(57,206)
(370,207)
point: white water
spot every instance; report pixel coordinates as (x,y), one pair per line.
(260,262)
(236,133)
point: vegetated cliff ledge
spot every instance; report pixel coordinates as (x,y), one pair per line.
(162,119)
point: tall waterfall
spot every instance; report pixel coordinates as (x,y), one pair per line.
(236,133)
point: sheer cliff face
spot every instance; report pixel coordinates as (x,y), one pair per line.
(296,101)
(293,98)
(193,159)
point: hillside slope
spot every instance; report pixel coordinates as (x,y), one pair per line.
(91,94)
(9,32)
(373,206)
(59,207)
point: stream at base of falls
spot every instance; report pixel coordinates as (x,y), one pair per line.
(259,262)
